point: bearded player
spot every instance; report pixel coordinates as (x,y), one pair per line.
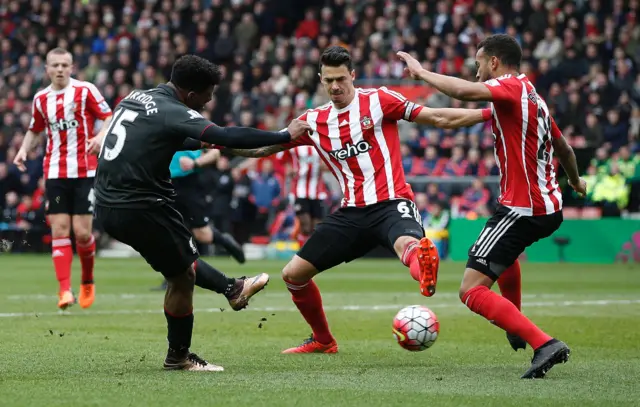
(356,135)
(68,110)
(530,202)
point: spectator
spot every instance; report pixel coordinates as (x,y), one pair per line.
(592,131)
(430,165)
(615,131)
(611,192)
(456,166)
(475,199)
(549,48)
(583,63)
(434,194)
(265,195)
(407,158)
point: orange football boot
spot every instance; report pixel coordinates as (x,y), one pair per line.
(312,346)
(429,261)
(87,294)
(66,299)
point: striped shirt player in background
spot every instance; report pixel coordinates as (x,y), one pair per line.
(530,203)
(68,110)
(356,136)
(305,167)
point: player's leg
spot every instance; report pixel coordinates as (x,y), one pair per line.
(335,241)
(303,213)
(86,248)
(211,235)
(238,291)
(82,223)
(510,283)
(59,215)
(505,236)
(400,229)
(167,245)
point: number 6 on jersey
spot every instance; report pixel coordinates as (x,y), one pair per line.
(117,129)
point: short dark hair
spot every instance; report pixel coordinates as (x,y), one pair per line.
(194,74)
(336,56)
(504,47)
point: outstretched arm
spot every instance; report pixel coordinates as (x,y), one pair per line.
(187,123)
(451,118)
(454,87)
(258,152)
(242,137)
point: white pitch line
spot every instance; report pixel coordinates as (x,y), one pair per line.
(383,307)
(283,294)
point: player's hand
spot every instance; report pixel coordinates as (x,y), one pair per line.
(187,164)
(414,68)
(297,128)
(94,145)
(580,187)
(20,158)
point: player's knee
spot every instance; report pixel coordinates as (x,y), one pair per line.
(295,272)
(191,274)
(401,244)
(203,235)
(473,278)
(82,228)
(82,236)
(60,226)
(462,292)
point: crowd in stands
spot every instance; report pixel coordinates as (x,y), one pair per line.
(582,55)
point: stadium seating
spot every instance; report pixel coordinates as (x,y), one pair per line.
(585,64)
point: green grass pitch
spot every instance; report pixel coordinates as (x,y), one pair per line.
(111,354)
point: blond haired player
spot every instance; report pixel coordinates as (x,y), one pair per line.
(67,110)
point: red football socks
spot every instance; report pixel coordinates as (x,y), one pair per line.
(307,298)
(62,255)
(510,284)
(504,314)
(410,259)
(86,252)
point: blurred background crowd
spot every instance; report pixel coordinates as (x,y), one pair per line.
(582,55)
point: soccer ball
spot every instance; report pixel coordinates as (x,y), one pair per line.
(416,328)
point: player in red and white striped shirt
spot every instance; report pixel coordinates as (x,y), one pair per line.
(530,203)
(356,136)
(307,187)
(68,110)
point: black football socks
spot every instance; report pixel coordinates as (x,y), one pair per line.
(179,331)
(210,278)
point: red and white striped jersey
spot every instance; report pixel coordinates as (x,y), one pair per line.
(359,144)
(68,115)
(307,168)
(523,131)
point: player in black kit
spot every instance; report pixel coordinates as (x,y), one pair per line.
(135,197)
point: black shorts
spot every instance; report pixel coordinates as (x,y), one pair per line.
(157,233)
(70,196)
(311,206)
(191,201)
(350,233)
(505,236)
